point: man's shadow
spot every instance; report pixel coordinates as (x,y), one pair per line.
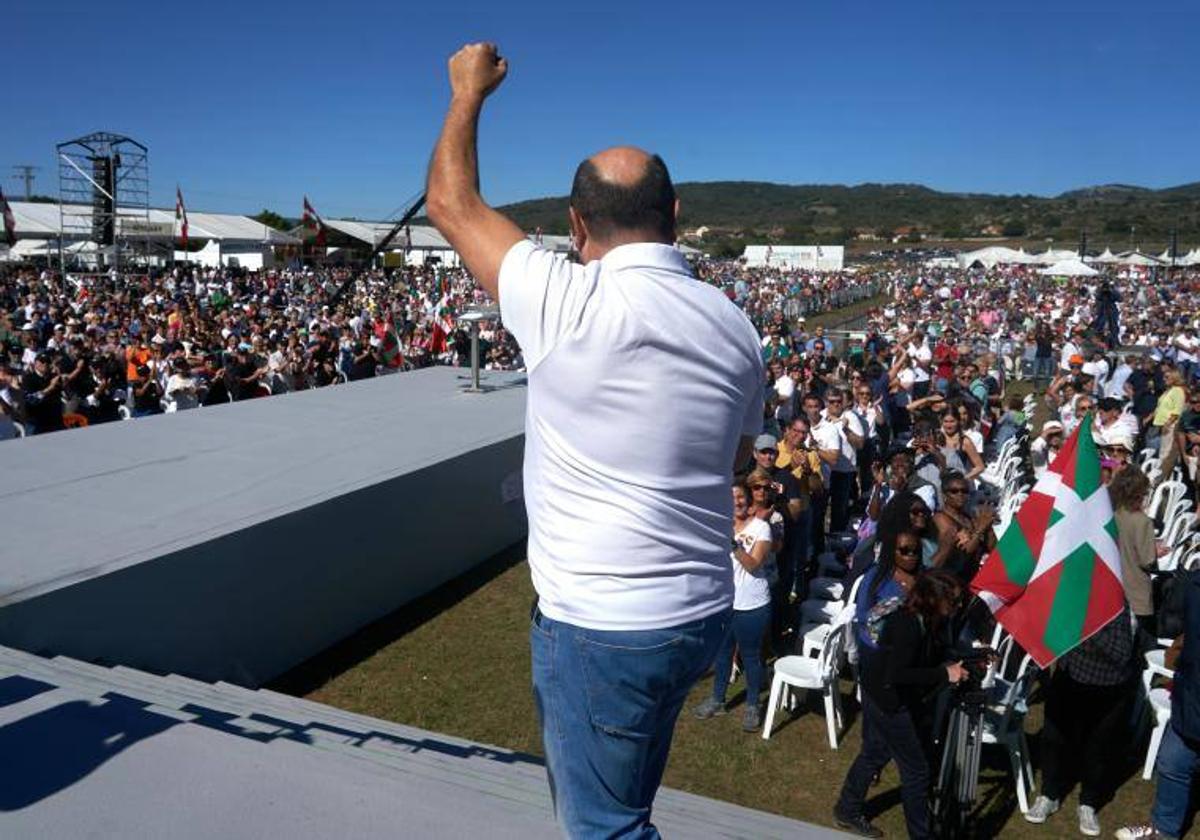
(53,749)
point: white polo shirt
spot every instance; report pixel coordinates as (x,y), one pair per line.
(642,380)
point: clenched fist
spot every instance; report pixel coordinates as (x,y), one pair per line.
(476,70)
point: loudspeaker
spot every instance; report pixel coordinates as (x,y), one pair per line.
(104,206)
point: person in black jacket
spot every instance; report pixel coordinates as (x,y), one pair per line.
(899,682)
(1179,753)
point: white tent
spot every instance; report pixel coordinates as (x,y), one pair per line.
(1069,268)
(1052,257)
(992,256)
(804,257)
(1107,257)
(1136,258)
(1191,258)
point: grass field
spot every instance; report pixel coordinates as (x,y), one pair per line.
(457,661)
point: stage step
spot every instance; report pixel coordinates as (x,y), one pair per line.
(502,793)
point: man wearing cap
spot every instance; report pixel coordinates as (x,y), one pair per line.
(791,559)
(628,498)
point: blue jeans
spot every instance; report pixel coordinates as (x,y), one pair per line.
(1177,764)
(748,630)
(607,701)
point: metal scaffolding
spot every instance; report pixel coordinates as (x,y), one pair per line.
(104,197)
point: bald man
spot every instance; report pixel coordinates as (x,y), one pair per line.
(645,389)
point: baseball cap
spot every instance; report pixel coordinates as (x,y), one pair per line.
(1051,426)
(765,442)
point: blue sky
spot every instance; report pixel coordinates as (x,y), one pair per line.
(252,104)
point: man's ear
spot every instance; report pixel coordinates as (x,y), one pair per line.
(578,228)
(675,221)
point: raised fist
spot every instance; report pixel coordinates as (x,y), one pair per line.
(476,70)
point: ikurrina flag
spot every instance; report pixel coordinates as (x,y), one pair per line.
(1054,578)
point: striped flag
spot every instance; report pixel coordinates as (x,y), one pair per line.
(312,220)
(1054,578)
(181,218)
(10,221)
(389,341)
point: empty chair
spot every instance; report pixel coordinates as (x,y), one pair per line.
(820,674)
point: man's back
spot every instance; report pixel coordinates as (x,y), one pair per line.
(641,379)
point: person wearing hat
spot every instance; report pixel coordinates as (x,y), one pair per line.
(794,501)
(1043,450)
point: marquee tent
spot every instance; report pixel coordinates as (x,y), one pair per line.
(1136,258)
(1069,268)
(1107,257)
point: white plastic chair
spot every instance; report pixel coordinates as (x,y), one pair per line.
(1004,723)
(1164,498)
(1160,705)
(820,674)
(814,634)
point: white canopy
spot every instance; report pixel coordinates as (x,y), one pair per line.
(1053,257)
(992,256)
(1107,257)
(1136,258)
(1069,268)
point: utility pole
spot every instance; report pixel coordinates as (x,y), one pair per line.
(25,173)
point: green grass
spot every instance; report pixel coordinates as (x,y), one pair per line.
(457,661)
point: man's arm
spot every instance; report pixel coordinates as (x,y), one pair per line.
(479,234)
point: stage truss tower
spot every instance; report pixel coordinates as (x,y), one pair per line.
(104,198)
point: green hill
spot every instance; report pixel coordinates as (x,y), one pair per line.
(755,211)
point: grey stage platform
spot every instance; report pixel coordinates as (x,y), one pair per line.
(99,752)
(236,541)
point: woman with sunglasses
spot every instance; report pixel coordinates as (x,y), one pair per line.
(963,539)
(751,611)
(907,511)
(900,678)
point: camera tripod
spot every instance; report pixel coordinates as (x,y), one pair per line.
(958,779)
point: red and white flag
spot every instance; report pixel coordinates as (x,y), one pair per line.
(181,218)
(10,221)
(313,221)
(1054,578)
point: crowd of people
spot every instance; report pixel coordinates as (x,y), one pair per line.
(874,441)
(92,349)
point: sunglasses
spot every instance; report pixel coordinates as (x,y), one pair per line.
(954,491)
(918,512)
(909,551)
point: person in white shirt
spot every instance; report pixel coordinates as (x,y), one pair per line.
(922,357)
(839,435)
(181,389)
(749,558)
(627,495)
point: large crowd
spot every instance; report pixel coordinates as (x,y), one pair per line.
(874,481)
(93,349)
(882,480)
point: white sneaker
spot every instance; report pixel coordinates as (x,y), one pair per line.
(1088,824)
(1139,832)
(1042,808)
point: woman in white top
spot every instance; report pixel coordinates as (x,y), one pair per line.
(751,611)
